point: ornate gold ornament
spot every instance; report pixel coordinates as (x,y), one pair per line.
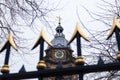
(41,64)
(118,55)
(42,36)
(77,31)
(79,60)
(5,69)
(10,41)
(115,24)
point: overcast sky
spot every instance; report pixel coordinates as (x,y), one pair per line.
(69,19)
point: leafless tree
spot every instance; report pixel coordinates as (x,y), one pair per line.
(16,15)
(107,49)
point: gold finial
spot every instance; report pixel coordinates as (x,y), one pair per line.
(5,69)
(41,65)
(42,36)
(59,19)
(77,31)
(118,55)
(115,24)
(10,41)
(79,61)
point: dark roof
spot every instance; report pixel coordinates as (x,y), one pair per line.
(59,40)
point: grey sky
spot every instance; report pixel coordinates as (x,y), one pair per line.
(69,19)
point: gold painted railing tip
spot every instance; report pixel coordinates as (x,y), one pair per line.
(77,31)
(9,41)
(115,24)
(42,36)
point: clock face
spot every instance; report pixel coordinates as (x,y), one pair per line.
(59,54)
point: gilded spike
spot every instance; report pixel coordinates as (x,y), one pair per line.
(78,31)
(9,41)
(115,24)
(42,36)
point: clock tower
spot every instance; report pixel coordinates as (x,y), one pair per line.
(59,55)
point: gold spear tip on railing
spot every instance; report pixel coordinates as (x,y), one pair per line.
(42,36)
(115,24)
(77,31)
(9,41)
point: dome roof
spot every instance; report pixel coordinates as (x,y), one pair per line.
(59,40)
